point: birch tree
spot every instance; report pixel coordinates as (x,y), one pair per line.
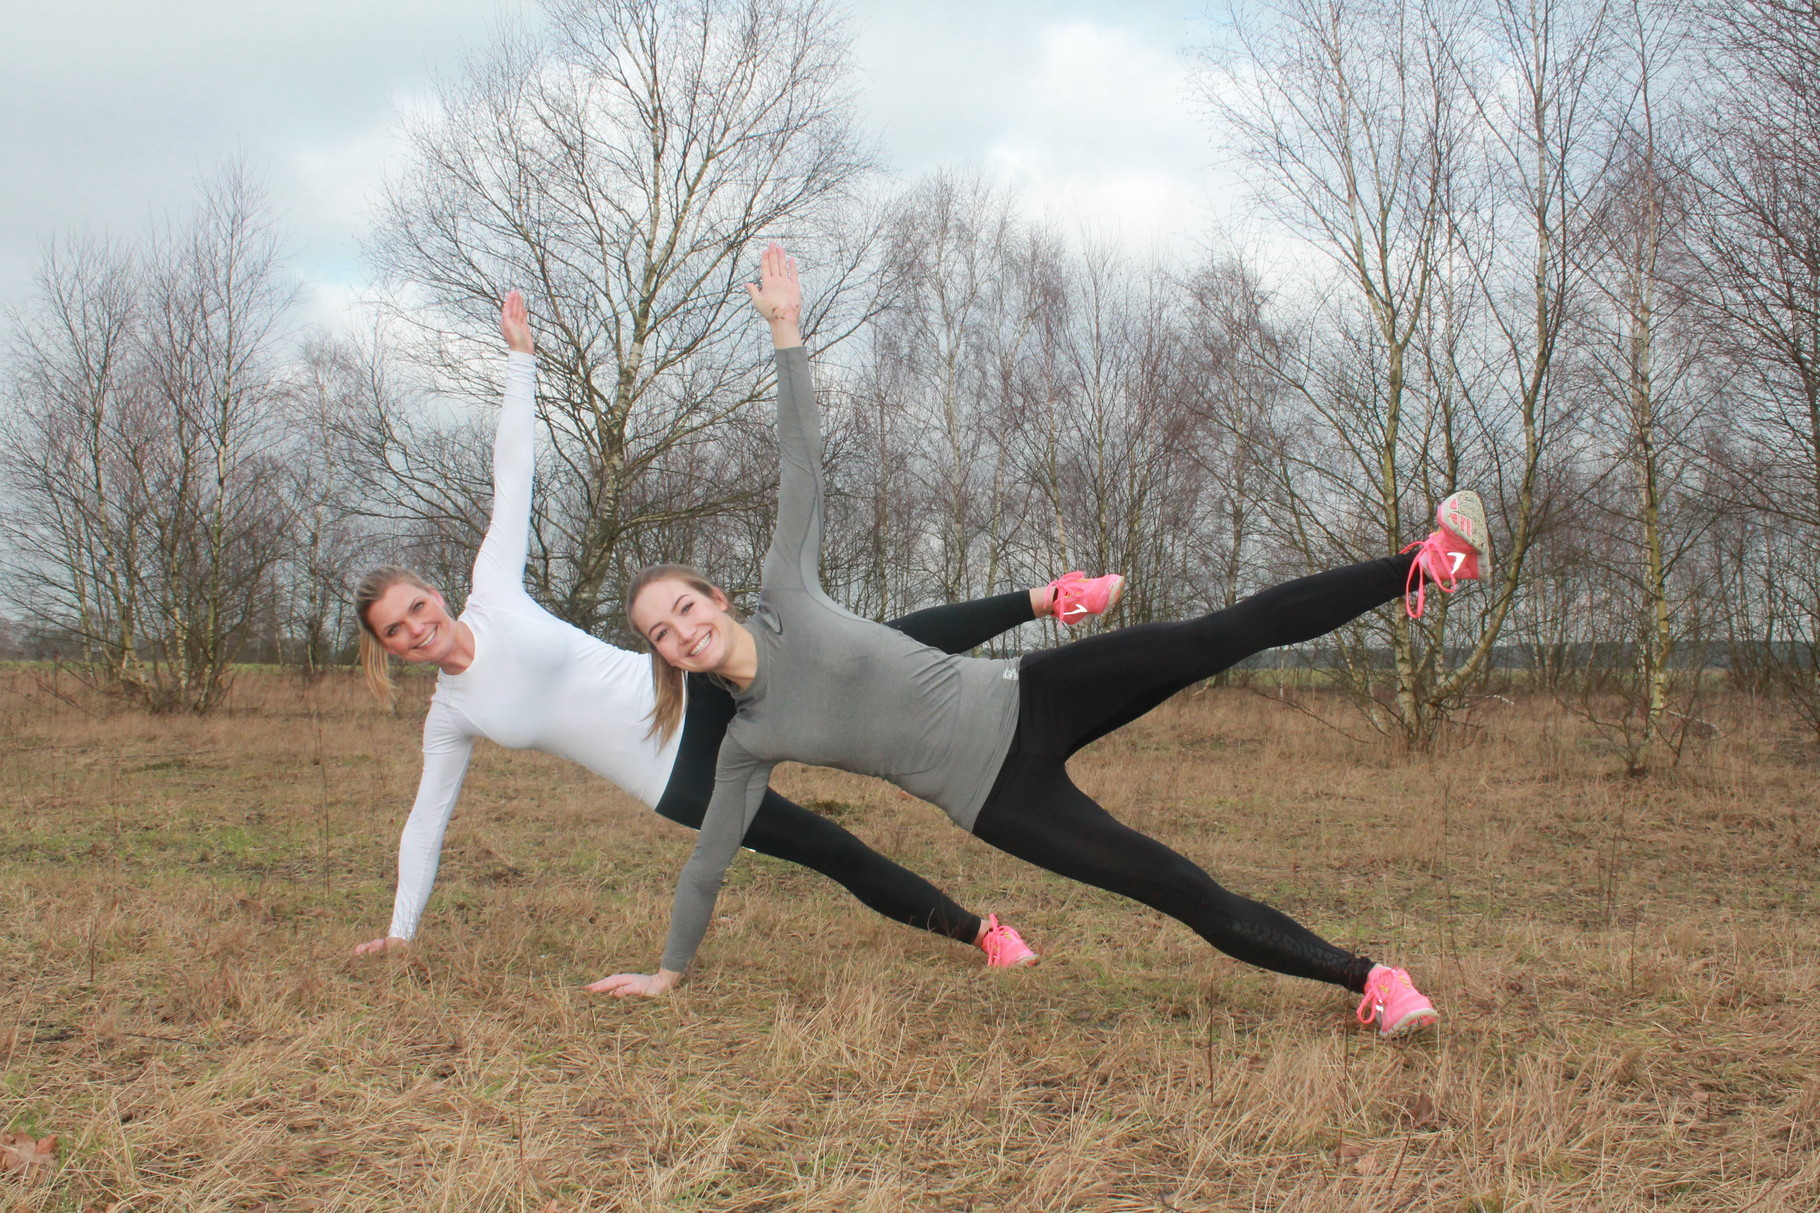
(1436,157)
(620,167)
(145,446)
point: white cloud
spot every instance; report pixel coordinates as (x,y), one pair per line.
(115,106)
(1085,109)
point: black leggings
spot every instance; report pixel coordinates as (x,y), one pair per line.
(789,831)
(1073,695)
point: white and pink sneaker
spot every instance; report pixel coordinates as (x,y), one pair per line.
(1459,549)
(1393,1000)
(1004,947)
(1078,595)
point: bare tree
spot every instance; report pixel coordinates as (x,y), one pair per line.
(1639,359)
(334,385)
(1024,406)
(1435,155)
(1755,241)
(144,448)
(1103,433)
(70,438)
(620,167)
(1229,340)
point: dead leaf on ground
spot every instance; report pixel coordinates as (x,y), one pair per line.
(1422,1113)
(22,1152)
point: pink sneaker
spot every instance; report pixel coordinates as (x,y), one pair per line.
(1004,947)
(1078,596)
(1459,550)
(1392,999)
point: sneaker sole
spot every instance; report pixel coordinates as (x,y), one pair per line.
(1467,502)
(1112,599)
(1412,1021)
(1024,963)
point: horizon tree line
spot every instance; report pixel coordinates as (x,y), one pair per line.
(1566,253)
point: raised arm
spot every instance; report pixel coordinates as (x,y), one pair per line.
(794,558)
(501,561)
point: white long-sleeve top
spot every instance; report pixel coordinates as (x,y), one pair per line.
(536,683)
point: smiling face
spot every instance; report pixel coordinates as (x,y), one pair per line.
(412,623)
(688,628)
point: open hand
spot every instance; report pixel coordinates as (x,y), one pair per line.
(515,323)
(620,985)
(777,295)
(390,943)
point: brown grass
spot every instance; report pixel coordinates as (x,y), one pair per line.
(1626,968)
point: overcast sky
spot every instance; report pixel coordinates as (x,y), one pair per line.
(114,107)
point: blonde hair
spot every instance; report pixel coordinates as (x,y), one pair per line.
(374,661)
(666,679)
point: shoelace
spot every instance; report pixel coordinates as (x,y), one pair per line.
(1375,994)
(1068,590)
(997,938)
(1419,574)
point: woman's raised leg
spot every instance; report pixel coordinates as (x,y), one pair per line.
(1080,692)
(957,627)
(1076,694)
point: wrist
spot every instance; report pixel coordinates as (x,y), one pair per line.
(785,333)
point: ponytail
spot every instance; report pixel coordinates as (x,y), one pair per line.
(376,669)
(666,679)
(374,662)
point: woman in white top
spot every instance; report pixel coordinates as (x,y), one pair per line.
(512,672)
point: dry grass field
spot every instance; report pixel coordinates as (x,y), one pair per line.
(1629,973)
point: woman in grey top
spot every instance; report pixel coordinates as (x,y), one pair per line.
(988,740)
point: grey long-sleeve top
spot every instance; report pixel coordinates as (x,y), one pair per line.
(836,690)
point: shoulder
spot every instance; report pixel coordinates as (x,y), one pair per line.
(499,593)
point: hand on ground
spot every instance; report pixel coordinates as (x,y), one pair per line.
(390,943)
(620,985)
